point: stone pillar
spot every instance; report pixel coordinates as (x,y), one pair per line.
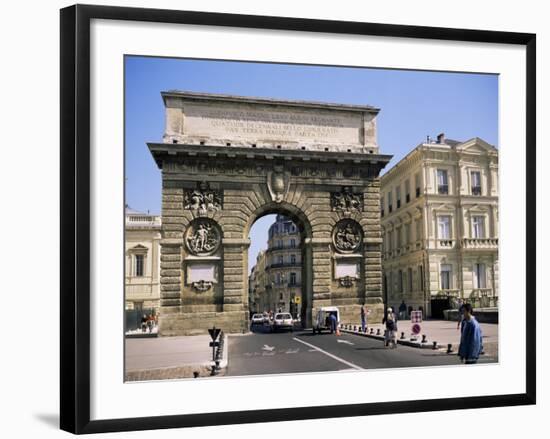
(321,270)
(372,252)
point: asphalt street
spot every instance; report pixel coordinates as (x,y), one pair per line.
(262,352)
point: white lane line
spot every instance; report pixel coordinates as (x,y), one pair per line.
(341,360)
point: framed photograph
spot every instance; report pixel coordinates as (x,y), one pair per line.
(277,218)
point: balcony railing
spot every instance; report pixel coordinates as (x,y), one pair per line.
(282,247)
(446,293)
(483,298)
(283,265)
(476,190)
(445,243)
(443,189)
(480,243)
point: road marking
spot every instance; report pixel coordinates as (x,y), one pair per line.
(345,341)
(341,360)
(292,351)
(268,348)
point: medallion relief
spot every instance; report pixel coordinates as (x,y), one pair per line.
(347,236)
(202,237)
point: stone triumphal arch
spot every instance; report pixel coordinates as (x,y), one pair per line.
(228,160)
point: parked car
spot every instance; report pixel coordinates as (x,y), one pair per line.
(322,321)
(257,319)
(282,320)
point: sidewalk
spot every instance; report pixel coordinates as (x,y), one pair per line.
(170,357)
(443,332)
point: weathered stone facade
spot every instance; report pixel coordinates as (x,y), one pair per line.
(263,157)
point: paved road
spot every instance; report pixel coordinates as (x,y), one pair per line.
(262,352)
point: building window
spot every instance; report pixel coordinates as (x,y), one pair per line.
(138,306)
(279,243)
(292,243)
(410,276)
(389,202)
(417,184)
(280,261)
(382,206)
(281,296)
(292,279)
(476,182)
(398,196)
(407,233)
(479,276)
(421,278)
(292,259)
(278,281)
(478,226)
(445,276)
(388,240)
(400,281)
(138,268)
(407,190)
(444,227)
(442,182)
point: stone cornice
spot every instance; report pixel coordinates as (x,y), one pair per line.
(217,97)
(161,151)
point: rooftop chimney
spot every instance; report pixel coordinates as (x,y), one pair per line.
(441,138)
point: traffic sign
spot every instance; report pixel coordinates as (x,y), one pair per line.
(416,329)
(416,316)
(214,332)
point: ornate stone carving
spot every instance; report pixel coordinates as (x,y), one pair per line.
(346,201)
(202,285)
(347,236)
(278,182)
(202,237)
(347,281)
(203,198)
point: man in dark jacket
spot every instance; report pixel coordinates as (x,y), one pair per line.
(471,344)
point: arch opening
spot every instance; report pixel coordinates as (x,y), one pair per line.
(279,274)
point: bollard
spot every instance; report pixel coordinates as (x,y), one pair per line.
(402,336)
(372,330)
(449,348)
(378,331)
(195,374)
(354,328)
(434,345)
(424,339)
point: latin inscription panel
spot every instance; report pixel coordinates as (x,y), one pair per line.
(267,124)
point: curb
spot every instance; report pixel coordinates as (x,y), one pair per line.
(405,342)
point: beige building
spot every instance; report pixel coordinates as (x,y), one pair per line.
(275,281)
(439,217)
(257,283)
(142,260)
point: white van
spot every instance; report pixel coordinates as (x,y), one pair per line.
(321,322)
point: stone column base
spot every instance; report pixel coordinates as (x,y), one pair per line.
(200,322)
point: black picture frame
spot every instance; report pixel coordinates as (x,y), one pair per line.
(75,217)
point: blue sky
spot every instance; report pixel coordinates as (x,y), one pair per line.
(413,104)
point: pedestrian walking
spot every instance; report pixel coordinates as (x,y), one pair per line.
(471,344)
(460,316)
(390,319)
(402,310)
(363,318)
(333,323)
